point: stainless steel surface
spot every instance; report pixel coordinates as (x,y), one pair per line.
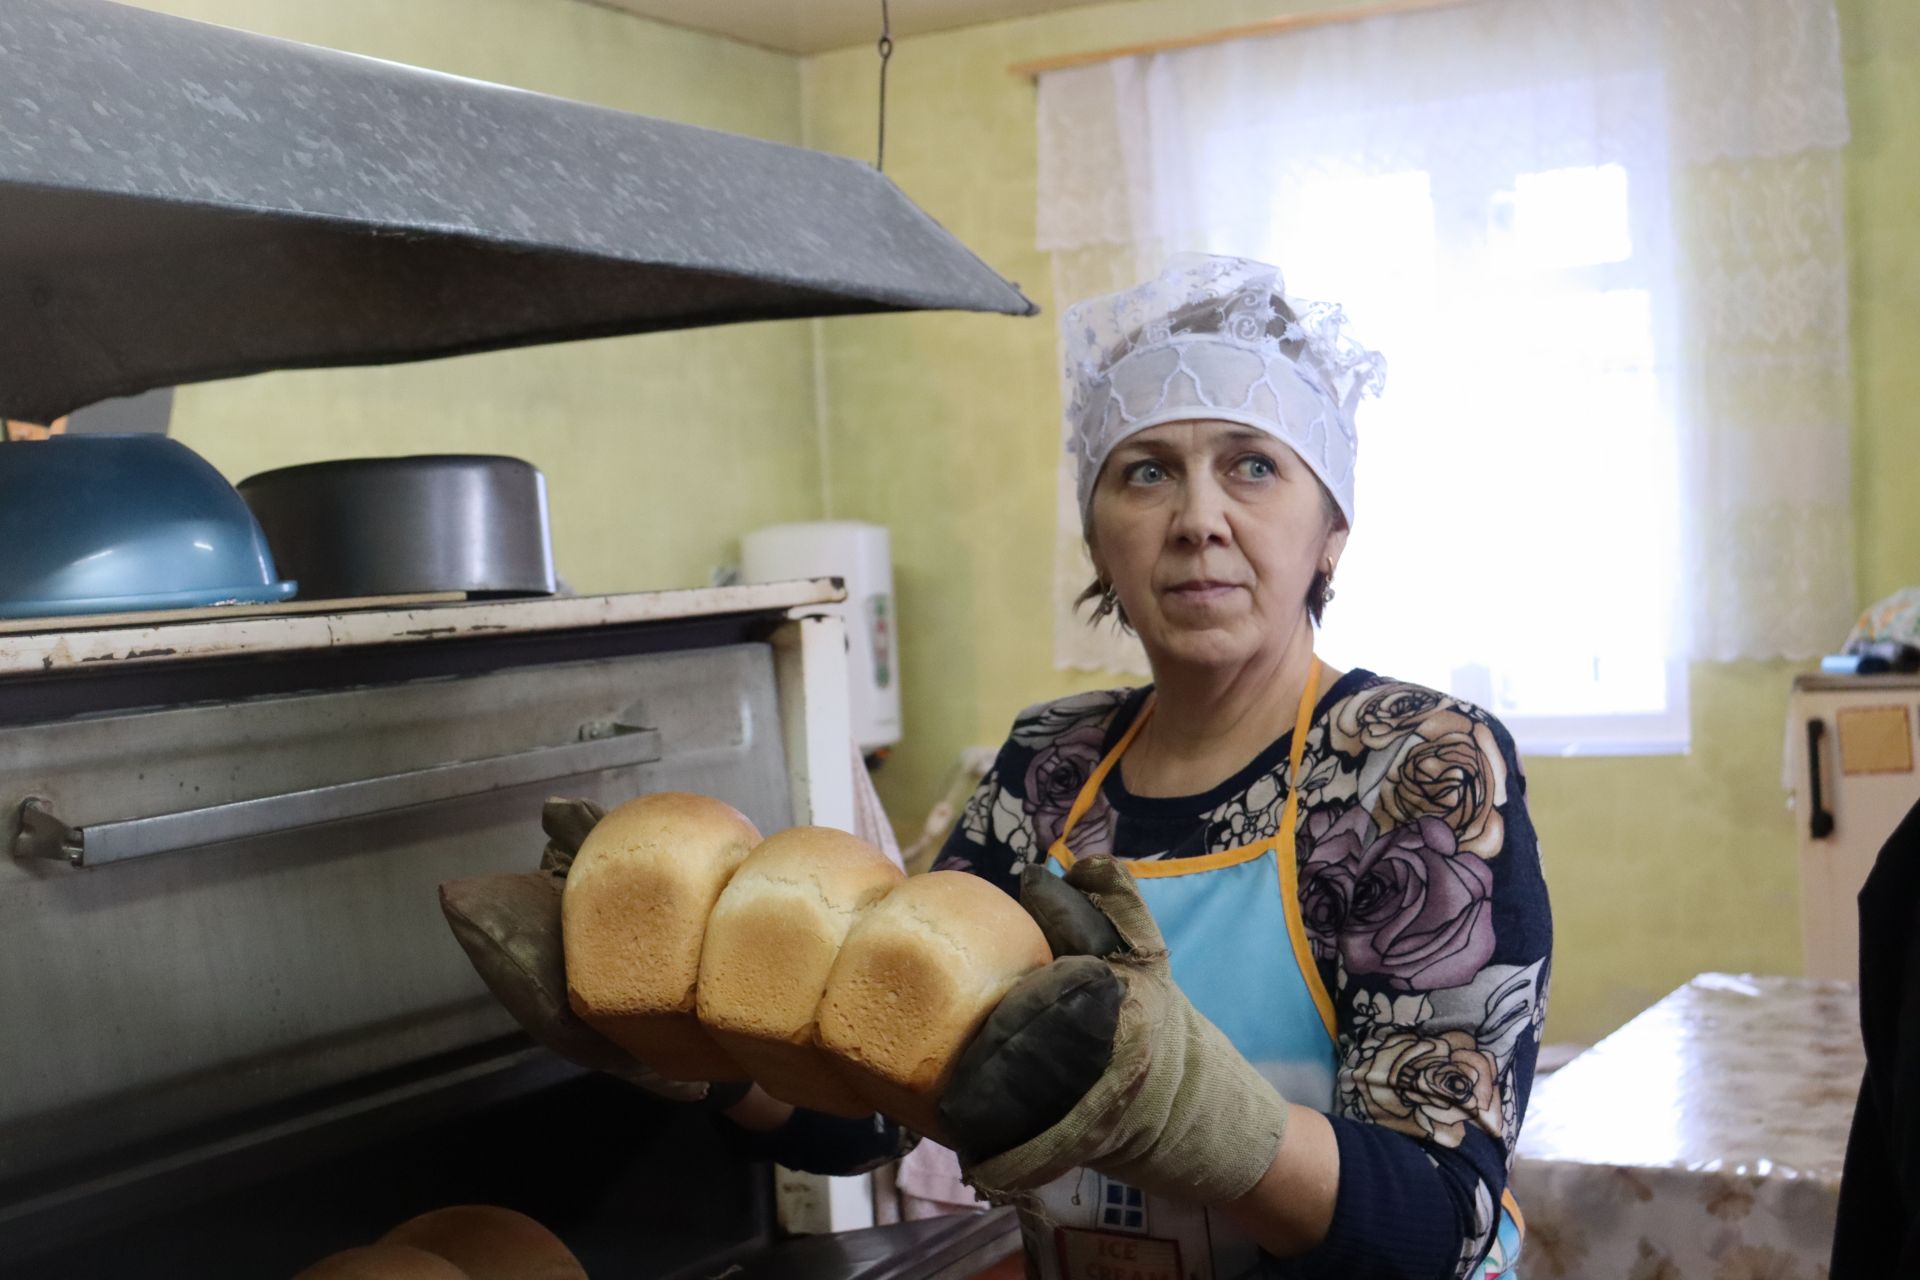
(171,992)
(390,526)
(44,835)
(305,207)
(955,1247)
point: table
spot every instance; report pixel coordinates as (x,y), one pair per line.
(1701,1141)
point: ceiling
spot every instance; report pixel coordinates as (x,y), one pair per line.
(812,26)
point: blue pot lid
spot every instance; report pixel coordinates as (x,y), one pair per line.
(117,523)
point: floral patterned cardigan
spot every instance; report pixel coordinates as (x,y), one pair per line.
(1421,891)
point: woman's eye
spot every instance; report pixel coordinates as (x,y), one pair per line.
(1255,466)
(1146,473)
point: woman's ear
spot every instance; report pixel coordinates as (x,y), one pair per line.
(1335,545)
(1093,554)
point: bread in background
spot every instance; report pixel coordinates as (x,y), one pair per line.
(919,972)
(383,1262)
(771,942)
(487,1242)
(633,918)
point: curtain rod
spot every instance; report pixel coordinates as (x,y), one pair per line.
(1270,27)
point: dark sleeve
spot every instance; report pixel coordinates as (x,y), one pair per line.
(1443,956)
(1400,1214)
(814,1142)
(1877,1231)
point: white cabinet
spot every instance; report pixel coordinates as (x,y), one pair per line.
(1854,771)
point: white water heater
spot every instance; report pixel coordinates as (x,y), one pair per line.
(857,554)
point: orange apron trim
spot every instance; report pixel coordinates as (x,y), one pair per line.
(1281,842)
(1090,790)
(1512,1207)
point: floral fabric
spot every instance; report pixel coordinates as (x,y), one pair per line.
(1421,894)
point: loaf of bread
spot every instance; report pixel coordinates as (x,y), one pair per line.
(771,942)
(920,971)
(489,1243)
(633,919)
(383,1262)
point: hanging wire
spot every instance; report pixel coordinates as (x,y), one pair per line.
(886,51)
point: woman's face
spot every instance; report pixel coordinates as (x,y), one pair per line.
(1210,532)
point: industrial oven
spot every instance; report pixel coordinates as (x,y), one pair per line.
(234,1032)
(238,1034)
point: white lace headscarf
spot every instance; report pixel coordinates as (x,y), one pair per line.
(1207,339)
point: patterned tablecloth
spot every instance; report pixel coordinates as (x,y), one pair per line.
(1701,1141)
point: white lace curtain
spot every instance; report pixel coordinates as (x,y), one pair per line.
(1602,244)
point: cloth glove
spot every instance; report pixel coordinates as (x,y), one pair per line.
(509,926)
(1098,1061)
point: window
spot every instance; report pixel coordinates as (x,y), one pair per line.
(1604,251)
(1124,1207)
(1535,464)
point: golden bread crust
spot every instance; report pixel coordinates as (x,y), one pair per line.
(771,942)
(490,1243)
(633,919)
(918,974)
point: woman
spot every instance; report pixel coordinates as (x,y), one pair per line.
(1341,866)
(1302,934)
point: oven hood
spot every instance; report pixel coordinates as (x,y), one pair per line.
(181,202)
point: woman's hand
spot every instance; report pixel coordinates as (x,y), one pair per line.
(1099,1061)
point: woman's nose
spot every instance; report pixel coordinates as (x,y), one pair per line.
(1202,515)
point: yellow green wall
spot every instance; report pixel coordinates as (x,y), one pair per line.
(943,428)
(1882,42)
(624,428)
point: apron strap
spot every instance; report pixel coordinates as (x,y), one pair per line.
(1296,750)
(1091,790)
(1287,865)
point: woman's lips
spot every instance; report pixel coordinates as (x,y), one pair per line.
(1202,591)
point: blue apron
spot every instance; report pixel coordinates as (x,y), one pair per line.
(1240,953)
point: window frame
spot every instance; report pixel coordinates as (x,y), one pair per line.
(1668,732)
(1464,198)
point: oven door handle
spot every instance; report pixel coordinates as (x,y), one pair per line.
(43,835)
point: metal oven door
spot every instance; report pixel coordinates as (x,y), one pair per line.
(216,908)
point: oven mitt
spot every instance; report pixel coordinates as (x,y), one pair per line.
(509,926)
(1050,1037)
(1102,1049)
(567,824)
